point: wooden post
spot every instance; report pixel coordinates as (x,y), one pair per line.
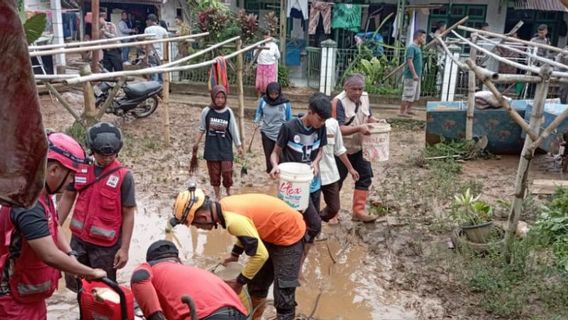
(526,157)
(166,97)
(240,90)
(90,110)
(283,29)
(470,94)
(95,34)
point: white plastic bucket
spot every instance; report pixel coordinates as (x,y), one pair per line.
(294,184)
(376,145)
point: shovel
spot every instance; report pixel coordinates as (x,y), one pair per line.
(193,163)
(244,167)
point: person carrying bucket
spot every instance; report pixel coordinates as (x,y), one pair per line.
(158,290)
(352,110)
(268,230)
(301,140)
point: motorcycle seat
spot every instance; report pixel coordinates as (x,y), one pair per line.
(142,88)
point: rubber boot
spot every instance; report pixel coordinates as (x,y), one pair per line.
(258,306)
(359,203)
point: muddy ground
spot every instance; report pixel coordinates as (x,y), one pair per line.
(397,268)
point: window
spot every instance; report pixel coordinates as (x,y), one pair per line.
(453,13)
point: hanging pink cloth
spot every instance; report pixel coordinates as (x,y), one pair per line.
(320,8)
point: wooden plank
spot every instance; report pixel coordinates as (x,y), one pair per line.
(547,186)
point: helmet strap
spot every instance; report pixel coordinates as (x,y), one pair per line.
(48,189)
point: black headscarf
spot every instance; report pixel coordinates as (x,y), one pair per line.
(274,87)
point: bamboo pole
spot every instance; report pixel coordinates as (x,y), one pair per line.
(81,43)
(525,160)
(502,101)
(64,103)
(241,90)
(533,56)
(108,75)
(528,43)
(89,108)
(109,99)
(166,98)
(557,121)
(470,94)
(113,45)
(200,53)
(513,30)
(94,34)
(428,45)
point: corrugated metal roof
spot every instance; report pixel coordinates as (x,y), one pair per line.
(545,5)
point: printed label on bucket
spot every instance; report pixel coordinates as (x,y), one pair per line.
(290,194)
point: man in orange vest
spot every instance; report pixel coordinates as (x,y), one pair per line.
(158,290)
(103,193)
(269,231)
(33,249)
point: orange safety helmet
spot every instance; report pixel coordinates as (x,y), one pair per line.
(187,203)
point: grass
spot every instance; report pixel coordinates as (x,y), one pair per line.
(529,286)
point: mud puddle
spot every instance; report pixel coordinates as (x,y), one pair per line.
(338,275)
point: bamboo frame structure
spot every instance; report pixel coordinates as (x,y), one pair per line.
(101,76)
(428,45)
(115,45)
(81,43)
(544,76)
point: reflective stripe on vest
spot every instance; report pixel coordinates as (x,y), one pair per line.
(27,289)
(76,224)
(106,233)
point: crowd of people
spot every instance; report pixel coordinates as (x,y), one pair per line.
(98,198)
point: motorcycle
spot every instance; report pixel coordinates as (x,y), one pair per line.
(138,99)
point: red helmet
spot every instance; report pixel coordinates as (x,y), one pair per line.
(65,150)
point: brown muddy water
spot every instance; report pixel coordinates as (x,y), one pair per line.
(339,280)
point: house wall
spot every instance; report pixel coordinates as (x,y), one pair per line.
(37,4)
(168,12)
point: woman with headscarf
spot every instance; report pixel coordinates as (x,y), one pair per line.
(266,64)
(218,123)
(273,110)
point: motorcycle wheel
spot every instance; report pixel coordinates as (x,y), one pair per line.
(146,108)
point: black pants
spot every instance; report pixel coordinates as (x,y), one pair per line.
(282,268)
(93,256)
(226,314)
(362,166)
(331,197)
(312,217)
(267,146)
(112,60)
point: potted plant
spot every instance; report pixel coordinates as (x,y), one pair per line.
(474,216)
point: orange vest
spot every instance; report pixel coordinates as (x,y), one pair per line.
(29,278)
(97,218)
(275,221)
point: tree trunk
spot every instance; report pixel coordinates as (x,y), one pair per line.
(89,108)
(95,34)
(166,97)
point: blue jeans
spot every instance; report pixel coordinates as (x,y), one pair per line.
(156,77)
(124,53)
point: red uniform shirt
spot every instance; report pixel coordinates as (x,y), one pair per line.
(161,286)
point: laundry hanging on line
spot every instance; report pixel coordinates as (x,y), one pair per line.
(300,5)
(317,9)
(346,16)
(218,74)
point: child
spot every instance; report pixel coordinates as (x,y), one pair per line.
(329,171)
(272,112)
(301,140)
(218,124)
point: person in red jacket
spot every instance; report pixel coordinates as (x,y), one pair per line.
(33,249)
(103,193)
(159,284)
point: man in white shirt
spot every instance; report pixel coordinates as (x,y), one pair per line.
(330,173)
(155,52)
(267,65)
(124,30)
